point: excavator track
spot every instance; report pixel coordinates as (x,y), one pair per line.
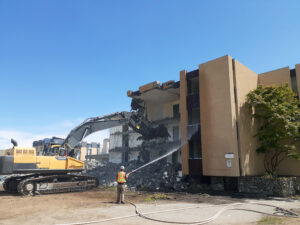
(50,184)
(11,183)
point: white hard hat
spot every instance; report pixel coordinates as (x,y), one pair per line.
(122,168)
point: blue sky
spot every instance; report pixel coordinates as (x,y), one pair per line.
(62,61)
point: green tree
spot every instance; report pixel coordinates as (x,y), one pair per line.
(277,113)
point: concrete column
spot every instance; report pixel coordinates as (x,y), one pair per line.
(218,118)
(183,123)
(250,161)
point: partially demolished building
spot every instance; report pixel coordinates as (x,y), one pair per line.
(161,103)
(205,111)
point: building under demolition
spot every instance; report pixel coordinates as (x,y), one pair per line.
(161,104)
(205,112)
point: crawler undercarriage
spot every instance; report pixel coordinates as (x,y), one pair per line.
(46,184)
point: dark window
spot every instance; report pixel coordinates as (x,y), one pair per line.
(192,74)
(193,86)
(176,113)
(176,133)
(194,116)
(194,141)
(294,81)
(125,143)
(192,101)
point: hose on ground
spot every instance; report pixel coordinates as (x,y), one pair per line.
(194,222)
(280,212)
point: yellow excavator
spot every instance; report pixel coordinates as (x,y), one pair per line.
(29,174)
(34,174)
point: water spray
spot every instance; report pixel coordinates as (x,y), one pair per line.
(170,152)
(157,159)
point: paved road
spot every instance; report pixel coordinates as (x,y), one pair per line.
(98,204)
(202,212)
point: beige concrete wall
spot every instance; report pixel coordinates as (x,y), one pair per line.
(297,68)
(94,151)
(157,111)
(251,162)
(83,153)
(183,123)
(275,77)
(218,118)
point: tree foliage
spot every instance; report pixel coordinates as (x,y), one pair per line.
(278,115)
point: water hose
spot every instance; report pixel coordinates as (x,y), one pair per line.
(284,213)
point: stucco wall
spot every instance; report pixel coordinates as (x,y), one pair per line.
(217,113)
(156,111)
(251,162)
(275,77)
(183,122)
(82,153)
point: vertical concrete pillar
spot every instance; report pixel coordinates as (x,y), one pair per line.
(183,123)
(245,80)
(297,68)
(218,118)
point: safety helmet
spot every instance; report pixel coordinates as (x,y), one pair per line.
(122,168)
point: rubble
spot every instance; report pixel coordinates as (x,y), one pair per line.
(160,176)
(163,175)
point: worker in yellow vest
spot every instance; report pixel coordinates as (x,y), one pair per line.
(121,179)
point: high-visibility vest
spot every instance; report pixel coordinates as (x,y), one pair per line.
(121,177)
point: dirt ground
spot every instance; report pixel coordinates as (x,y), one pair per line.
(99,204)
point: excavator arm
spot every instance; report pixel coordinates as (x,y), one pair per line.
(92,125)
(135,119)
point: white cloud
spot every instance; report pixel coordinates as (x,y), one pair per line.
(61,129)
(97,136)
(22,137)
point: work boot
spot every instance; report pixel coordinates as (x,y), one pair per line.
(123,202)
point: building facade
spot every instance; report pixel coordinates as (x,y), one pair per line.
(89,149)
(215,127)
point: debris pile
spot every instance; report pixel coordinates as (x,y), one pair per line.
(160,176)
(92,164)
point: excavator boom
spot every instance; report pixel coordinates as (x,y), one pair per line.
(92,125)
